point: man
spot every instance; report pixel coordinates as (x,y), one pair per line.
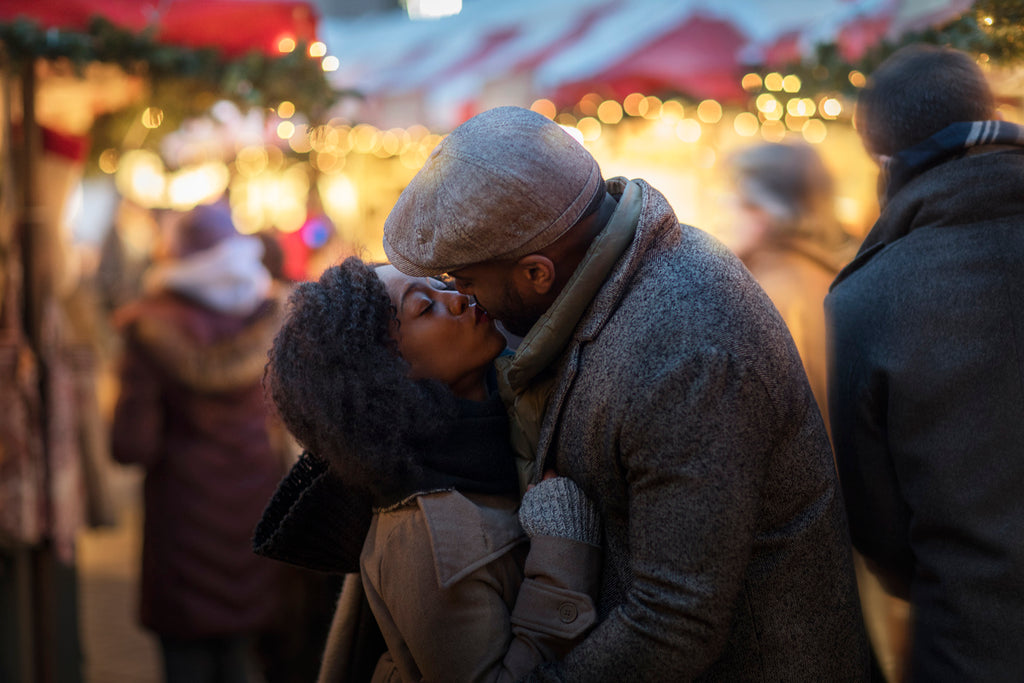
(925,378)
(656,374)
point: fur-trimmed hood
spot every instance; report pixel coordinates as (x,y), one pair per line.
(202,349)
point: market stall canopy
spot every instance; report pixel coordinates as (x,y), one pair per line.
(441,71)
(232,26)
(70,96)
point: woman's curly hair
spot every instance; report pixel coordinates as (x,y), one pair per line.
(342,389)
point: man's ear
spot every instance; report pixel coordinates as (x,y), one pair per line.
(535,272)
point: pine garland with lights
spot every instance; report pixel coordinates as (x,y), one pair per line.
(184,78)
(990,27)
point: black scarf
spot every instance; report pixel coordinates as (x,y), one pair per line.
(315,520)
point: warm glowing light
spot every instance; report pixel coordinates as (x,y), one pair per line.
(791,83)
(773,81)
(152,117)
(800,106)
(746,124)
(389,144)
(773,131)
(286,45)
(988,21)
(766,103)
(327,162)
(609,112)
(565,119)
(300,141)
(651,107)
(574,132)
(814,131)
(831,107)
(795,123)
(706,156)
(273,199)
(330,63)
(364,138)
(108,161)
(590,128)
(709,111)
(672,110)
(286,110)
(317,49)
(285,130)
(251,161)
(589,103)
(631,104)
(340,197)
(545,108)
(688,130)
(857,79)
(141,178)
(751,82)
(323,138)
(197,185)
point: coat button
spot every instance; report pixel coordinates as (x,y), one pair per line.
(567,612)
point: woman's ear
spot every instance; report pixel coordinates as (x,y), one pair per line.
(535,273)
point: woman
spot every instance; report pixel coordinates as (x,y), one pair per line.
(191,411)
(388,377)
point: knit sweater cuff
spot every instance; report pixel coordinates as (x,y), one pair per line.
(557,507)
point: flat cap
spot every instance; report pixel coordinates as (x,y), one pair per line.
(506,183)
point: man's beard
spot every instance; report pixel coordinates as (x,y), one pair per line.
(514,314)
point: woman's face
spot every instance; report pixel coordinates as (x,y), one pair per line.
(440,333)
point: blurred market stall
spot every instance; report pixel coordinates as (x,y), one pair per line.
(65,67)
(663,90)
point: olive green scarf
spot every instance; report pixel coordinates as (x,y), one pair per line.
(526,379)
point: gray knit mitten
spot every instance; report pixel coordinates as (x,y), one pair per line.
(557,507)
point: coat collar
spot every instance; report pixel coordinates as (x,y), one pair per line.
(465,536)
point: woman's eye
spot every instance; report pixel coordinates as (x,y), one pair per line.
(426,308)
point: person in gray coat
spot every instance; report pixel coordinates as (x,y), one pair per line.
(657,375)
(925,375)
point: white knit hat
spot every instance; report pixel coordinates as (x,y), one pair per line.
(506,183)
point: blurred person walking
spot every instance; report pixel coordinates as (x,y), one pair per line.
(792,242)
(925,375)
(191,411)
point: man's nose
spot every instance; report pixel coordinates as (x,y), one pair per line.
(457,303)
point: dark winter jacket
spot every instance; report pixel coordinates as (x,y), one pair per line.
(681,408)
(192,412)
(927,401)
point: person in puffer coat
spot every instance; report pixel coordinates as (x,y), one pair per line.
(191,412)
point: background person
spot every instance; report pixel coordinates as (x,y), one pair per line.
(925,379)
(791,241)
(191,411)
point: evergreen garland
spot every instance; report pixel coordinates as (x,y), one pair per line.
(185,79)
(1002,41)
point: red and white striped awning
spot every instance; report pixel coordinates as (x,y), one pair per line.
(441,71)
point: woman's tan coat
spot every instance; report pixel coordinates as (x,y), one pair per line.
(460,595)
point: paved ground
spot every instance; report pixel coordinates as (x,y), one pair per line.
(115,649)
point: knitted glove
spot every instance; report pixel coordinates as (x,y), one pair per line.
(557,507)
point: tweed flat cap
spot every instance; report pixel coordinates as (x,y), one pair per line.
(506,183)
